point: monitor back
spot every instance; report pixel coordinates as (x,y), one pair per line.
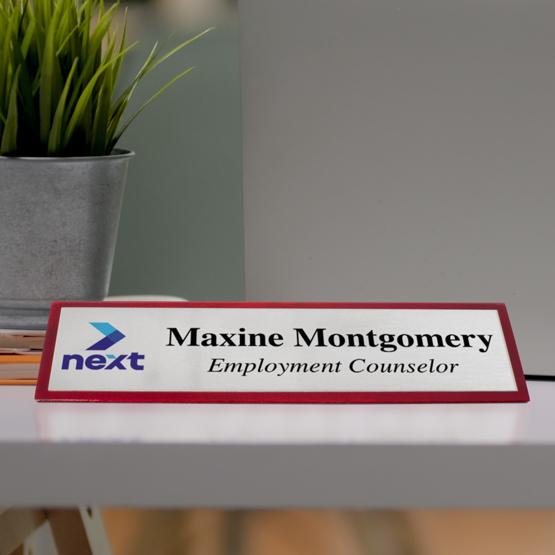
(403,150)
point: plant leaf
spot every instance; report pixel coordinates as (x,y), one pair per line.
(50,78)
(80,108)
(9,135)
(55,136)
(178,48)
(150,100)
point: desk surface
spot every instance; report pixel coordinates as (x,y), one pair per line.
(277,456)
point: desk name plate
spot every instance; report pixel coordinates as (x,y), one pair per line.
(280,353)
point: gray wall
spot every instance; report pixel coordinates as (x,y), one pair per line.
(403,150)
(181,231)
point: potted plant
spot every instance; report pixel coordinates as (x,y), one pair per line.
(62,113)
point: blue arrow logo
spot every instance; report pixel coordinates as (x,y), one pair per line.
(111,336)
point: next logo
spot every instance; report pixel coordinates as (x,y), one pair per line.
(132,361)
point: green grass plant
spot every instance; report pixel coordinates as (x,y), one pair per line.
(60,65)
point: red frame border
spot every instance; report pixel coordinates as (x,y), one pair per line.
(42,393)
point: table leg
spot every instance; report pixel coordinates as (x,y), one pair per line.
(78,531)
(16,525)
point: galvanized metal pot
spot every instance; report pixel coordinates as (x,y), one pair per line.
(58,226)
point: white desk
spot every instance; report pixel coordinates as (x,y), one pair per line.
(277,456)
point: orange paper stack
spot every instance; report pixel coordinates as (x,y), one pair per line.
(20,352)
